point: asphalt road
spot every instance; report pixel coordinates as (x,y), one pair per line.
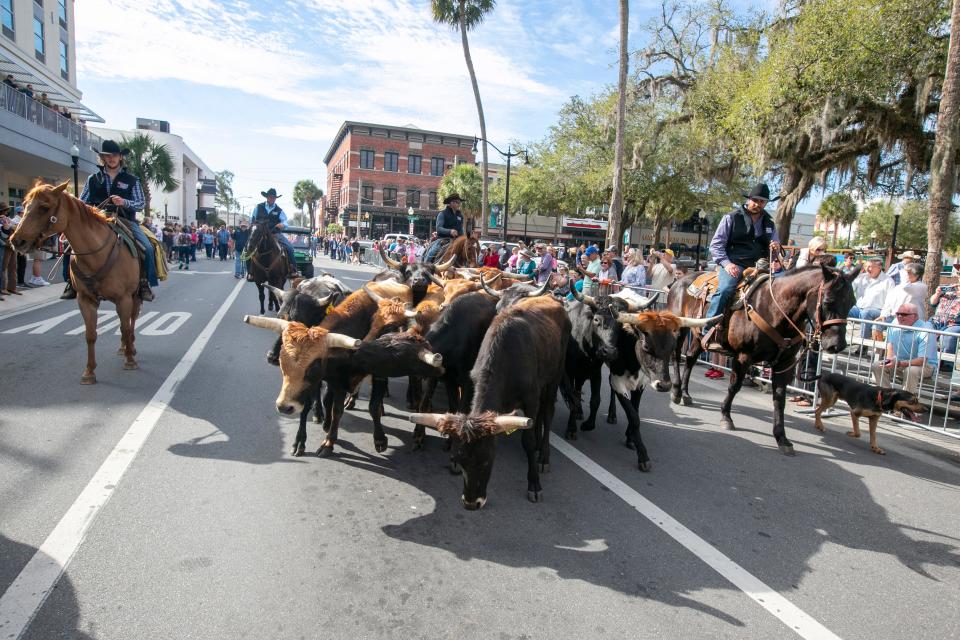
(205,527)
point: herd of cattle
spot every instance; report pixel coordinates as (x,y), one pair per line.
(501,347)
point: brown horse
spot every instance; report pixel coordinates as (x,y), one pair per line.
(464,251)
(101,268)
(267,265)
(779,307)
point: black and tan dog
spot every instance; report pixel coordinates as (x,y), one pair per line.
(865,401)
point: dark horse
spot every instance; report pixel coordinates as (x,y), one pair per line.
(817,295)
(266,264)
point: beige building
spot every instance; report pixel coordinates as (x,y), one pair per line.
(37,53)
(182,204)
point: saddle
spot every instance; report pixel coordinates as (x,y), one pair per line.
(705,286)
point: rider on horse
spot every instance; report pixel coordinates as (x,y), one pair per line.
(744,236)
(272,215)
(117,191)
(449,226)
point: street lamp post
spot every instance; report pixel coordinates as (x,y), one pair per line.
(873,241)
(509,155)
(701,216)
(893,238)
(75,164)
(199,191)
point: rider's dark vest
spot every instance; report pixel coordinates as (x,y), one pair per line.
(272,219)
(122,185)
(744,248)
(449,219)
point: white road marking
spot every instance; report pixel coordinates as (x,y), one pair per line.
(30,307)
(176,319)
(102,316)
(44,325)
(799,621)
(24,597)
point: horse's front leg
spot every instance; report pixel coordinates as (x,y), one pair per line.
(737,371)
(260,293)
(137,305)
(125,309)
(88,310)
(780,381)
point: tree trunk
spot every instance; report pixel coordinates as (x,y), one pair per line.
(943,166)
(796,186)
(836,232)
(615,217)
(146,197)
(484,202)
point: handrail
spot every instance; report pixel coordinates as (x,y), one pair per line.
(19,104)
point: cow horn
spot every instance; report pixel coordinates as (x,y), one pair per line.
(432,359)
(409,313)
(435,280)
(426,419)
(580,296)
(517,276)
(376,297)
(277,291)
(697,323)
(443,266)
(495,294)
(274,324)
(323,302)
(341,341)
(627,318)
(541,290)
(636,308)
(509,423)
(390,262)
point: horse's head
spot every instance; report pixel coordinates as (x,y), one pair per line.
(42,216)
(828,306)
(471,252)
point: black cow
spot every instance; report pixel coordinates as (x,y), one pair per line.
(592,343)
(417,276)
(519,367)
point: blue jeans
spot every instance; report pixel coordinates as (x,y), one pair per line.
(151,265)
(288,247)
(726,287)
(864,314)
(239,266)
(949,343)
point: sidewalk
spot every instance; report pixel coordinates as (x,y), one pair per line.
(13,305)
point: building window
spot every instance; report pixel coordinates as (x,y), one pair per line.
(413,198)
(64,61)
(6,17)
(436,166)
(367,193)
(62,12)
(433,200)
(390,160)
(389,196)
(366,158)
(38,48)
(414,164)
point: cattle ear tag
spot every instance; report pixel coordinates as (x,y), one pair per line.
(329,308)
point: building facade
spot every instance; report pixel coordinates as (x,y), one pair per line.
(38,66)
(389,170)
(194,197)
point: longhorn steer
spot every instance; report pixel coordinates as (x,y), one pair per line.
(519,367)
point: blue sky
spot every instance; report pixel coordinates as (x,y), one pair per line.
(261,88)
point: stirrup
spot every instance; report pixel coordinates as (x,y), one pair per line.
(69,293)
(145,293)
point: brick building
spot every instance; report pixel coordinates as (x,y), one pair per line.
(397,168)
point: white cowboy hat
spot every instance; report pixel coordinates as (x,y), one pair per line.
(908,254)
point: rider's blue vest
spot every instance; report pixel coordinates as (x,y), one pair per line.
(122,185)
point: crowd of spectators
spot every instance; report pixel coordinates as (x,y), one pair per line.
(42,99)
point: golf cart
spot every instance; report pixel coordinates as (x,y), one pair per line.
(301,238)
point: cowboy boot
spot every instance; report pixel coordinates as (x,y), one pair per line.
(145,293)
(711,340)
(69,293)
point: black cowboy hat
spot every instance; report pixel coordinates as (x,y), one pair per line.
(760,191)
(109,147)
(453,196)
(269,192)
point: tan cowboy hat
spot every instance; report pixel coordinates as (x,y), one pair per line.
(908,254)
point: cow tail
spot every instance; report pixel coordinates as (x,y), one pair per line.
(570,396)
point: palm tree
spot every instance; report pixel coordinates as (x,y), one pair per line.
(943,166)
(840,209)
(616,200)
(152,163)
(306,192)
(463,179)
(465,15)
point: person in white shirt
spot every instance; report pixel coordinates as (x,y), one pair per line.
(871,288)
(896,270)
(910,291)
(663,272)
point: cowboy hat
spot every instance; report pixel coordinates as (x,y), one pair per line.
(526,254)
(760,191)
(270,192)
(907,254)
(109,147)
(4,207)
(453,196)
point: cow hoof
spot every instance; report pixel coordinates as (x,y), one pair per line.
(317,418)
(629,444)
(535,496)
(350,404)
(325,451)
(786,449)
(544,467)
(611,419)
(380,445)
(644,466)
(121,351)
(298,450)
(273,360)
(878,451)
(588,426)
(90,379)
(455,468)
(130,366)
(687,401)
(727,424)
(675,399)
(570,435)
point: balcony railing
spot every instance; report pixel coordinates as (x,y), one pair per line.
(27,108)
